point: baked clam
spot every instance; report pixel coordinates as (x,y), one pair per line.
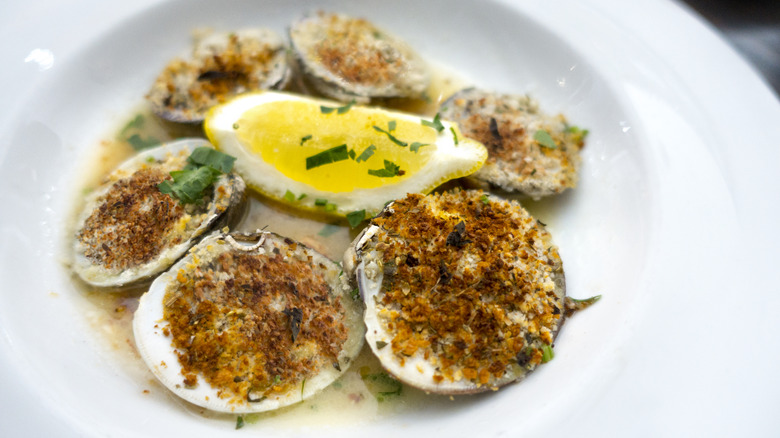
(129,230)
(348,58)
(249,323)
(464,292)
(529,152)
(220,66)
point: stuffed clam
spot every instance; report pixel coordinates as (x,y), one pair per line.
(129,230)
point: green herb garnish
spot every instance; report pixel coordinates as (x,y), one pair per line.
(382,385)
(435,124)
(304,139)
(277,379)
(576,130)
(328,230)
(355,293)
(289,196)
(303,385)
(301,196)
(547,353)
(454,135)
(138,143)
(339,110)
(206,156)
(380,345)
(204,166)
(188,185)
(389,135)
(330,207)
(484,198)
(356,217)
(332,155)
(391,169)
(545,139)
(136,123)
(414,147)
(366,154)
(319,202)
(239,422)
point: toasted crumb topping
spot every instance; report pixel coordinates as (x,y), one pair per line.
(214,74)
(254,324)
(133,223)
(356,51)
(473,285)
(506,125)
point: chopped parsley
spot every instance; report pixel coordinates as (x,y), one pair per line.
(545,139)
(319,202)
(576,130)
(289,196)
(136,123)
(547,353)
(356,217)
(204,166)
(339,110)
(484,198)
(366,154)
(355,293)
(239,422)
(332,155)
(391,128)
(391,169)
(328,230)
(454,135)
(304,139)
(206,156)
(330,207)
(415,147)
(138,143)
(435,124)
(382,385)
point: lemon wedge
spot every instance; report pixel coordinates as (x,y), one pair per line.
(334,157)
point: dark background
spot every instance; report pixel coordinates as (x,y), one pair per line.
(752,28)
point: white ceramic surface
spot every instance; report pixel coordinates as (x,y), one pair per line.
(673,223)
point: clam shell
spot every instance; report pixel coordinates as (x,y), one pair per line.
(128,231)
(348,58)
(376,278)
(260,300)
(507,125)
(221,65)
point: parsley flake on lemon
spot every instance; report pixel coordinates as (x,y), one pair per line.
(334,157)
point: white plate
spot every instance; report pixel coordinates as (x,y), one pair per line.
(674,221)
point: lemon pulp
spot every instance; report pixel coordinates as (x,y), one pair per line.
(285,134)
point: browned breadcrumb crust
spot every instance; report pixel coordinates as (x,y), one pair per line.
(505,132)
(133,223)
(354,50)
(212,80)
(470,284)
(234,321)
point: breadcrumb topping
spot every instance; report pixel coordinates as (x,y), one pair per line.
(471,284)
(363,59)
(134,222)
(507,126)
(254,324)
(227,67)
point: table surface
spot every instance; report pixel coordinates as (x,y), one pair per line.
(752,27)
